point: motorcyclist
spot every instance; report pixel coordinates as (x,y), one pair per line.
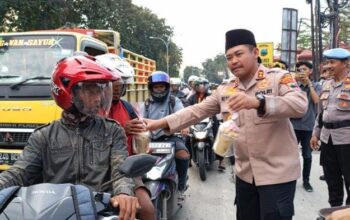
(158,107)
(124,113)
(190,82)
(201,86)
(175,84)
(82,147)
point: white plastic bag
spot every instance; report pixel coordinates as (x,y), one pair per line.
(226,138)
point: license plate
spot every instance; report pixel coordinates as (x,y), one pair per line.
(160,147)
(8,158)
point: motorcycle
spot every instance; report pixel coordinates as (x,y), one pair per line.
(162,179)
(67,201)
(201,145)
(325,212)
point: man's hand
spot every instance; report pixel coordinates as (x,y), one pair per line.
(152,125)
(240,100)
(314,143)
(343,214)
(134,126)
(128,205)
(185,132)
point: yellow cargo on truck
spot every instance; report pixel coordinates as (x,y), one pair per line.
(26,63)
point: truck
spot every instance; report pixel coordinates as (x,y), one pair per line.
(27,60)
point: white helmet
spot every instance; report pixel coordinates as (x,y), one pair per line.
(175,81)
(116,63)
(192,78)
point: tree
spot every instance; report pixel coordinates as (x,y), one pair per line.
(17,15)
(304,35)
(191,70)
(135,24)
(212,68)
(344,24)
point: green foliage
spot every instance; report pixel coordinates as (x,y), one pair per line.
(191,70)
(135,24)
(212,68)
(344,24)
(304,37)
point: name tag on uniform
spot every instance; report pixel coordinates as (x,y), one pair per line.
(264,92)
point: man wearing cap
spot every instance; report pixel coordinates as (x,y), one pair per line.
(267,158)
(332,126)
(303,126)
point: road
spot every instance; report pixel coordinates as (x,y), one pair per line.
(214,198)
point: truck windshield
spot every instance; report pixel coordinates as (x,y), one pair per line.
(30,56)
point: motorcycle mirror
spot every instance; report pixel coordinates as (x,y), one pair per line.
(137,165)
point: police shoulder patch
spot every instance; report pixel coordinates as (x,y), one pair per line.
(287,78)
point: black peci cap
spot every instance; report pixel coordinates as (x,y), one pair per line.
(239,37)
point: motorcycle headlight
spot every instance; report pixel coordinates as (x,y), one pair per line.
(200,135)
(200,126)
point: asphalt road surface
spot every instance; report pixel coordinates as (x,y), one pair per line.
(214,198)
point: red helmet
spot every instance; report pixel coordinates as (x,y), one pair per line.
(70,71)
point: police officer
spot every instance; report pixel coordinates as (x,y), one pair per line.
(332,126)
(267,157)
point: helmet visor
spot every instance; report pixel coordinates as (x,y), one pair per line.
(160,78)
(93,98)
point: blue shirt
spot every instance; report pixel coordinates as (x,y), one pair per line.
(307,122)
(158,110)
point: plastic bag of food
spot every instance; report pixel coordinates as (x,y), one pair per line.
(226,137)
(140,142)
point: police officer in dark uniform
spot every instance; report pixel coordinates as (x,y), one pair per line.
(332,126)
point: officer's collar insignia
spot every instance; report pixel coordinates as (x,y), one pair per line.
(261,75)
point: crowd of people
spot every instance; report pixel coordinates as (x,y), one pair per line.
(278,112)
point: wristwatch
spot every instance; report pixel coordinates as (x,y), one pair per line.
(261,108)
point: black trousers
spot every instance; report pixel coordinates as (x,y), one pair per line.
(303,138)
(270,202)
(335,160)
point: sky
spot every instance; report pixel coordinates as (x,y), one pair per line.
(200,25)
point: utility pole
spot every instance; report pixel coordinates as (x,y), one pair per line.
(318,41)
(333,23)
(313,47)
